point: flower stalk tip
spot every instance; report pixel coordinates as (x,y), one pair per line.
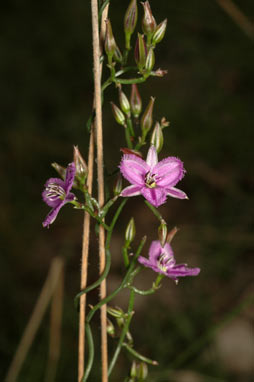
(130,21)
(148,21)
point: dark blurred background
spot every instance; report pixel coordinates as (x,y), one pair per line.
(203,328)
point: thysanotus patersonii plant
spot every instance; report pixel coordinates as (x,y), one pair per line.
(150,179)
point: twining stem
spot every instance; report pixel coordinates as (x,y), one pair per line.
(123,333)
(100,179)
(139,356)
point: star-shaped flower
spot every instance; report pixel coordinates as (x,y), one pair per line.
(152,179)
(161,260)
(57,193)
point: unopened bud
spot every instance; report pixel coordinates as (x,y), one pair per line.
(110,44)
(59,169)
(130,21)
(130,231)
(80,164)
(148,22)
(133,372)
(115,312)
(124,103)
(171,234)
(118,185)
(140,52)
(135,101)
(157,137)
(150,60)
(126,150)
(142,371)
(159,32)
(147,118)
(162,233)
(118,114)
(117,56)
(110,328)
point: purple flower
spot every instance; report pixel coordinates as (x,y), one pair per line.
(57,193)
(161,260)
(152,179)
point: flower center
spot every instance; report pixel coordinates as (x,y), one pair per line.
(54,191)
(150,180)
(164,262)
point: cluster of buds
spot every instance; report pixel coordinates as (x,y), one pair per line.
(139,372)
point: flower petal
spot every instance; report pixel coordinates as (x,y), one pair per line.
(182,270)
(130,191)
(50,218)
(134,169)
(156,196)
(146,262)
(50,198)
(69,177)
(152,157)
(176,193)
(169,172)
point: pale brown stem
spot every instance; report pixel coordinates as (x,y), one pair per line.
(84,263)
(99,141)
(55,329)
(86,234)
(238,16)
(35,319)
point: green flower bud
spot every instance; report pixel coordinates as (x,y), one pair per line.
(118,114)
(130,21)
(171,234)
(80,164)
(110,328)
(148,22)
(117,56)
(124,103)
(110,44)
(157,137)
(133,372)
(118,185)
(115,312)
(135,101)
(142,371)
(140,52)
(130,231)
(59,169)
(147,118)
(162,233)
(150,60)
(159,32)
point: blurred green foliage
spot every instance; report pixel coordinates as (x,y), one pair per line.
(46,99)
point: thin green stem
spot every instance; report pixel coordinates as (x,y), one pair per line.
(123,333)
(90,343)
(128,137)
(129,81)
(130,127)
(139,356)
(154,210)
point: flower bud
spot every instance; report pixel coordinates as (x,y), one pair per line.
(110,44)
(159,32)
(162,233)
(117,56)
(110,328)
(148,22)
(142,371)
(147,118)
(80,164)
(150,60)
(135,101)
(115,312)
(171,234)
(124,103)
(59,169)
(118,185)
(130,21)
(157,137)
(126,150)
(133,372)
(130,231)
(140,52)
(118,114)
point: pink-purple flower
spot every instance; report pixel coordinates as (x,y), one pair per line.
(161,260)
(152,179)
(57,193)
